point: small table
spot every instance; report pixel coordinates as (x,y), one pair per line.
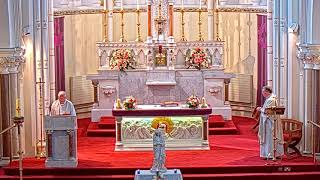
(171,174)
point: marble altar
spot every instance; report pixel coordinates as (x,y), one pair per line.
(160,73)
(186,128)
(61,138)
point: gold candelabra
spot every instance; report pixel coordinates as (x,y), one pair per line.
(200,23)
(122,27)
(138,26)
(105,24)
(182,25)
(217,24)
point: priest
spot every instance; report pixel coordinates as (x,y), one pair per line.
(62,106)
(269,123)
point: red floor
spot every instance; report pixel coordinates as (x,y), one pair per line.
(226,150)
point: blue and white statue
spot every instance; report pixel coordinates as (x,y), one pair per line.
(159,151)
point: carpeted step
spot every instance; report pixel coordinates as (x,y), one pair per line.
(216,121)
(229,128)
(254,176)
(107,123)
(94,131)
(87,177)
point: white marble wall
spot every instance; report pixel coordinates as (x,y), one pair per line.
(152,87)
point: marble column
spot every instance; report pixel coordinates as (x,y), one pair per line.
(5,115)
(95,92)
(45,55)
(51,51)
(307,110)
(210,4)
(316,107)
(293,62)
(282,75)
(10,61)
(110,21)
(276,45)
(269,42)
(226,91)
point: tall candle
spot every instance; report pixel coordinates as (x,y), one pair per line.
(138,5)
(182,4)
(200,4)
(121,5)
(17,108)
(105,5)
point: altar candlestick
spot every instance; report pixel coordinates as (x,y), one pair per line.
(199,4)
(138,5)
(105,5)
(17,108)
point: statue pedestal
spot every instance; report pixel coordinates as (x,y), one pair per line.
(172,174)
(61,138)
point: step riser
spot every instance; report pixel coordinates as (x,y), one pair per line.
(101,134)
(185,170)
(107,126)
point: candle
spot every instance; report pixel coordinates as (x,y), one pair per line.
(121,5)
(17,108)
(118,105)
(182,4)
(138,5)
(105,5)
(200,4)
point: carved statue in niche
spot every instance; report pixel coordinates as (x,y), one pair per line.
(150,60)
(161,59)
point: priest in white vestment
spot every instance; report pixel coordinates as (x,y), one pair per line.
(62,106)
(266,127)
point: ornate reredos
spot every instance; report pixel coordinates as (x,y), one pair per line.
(155,14)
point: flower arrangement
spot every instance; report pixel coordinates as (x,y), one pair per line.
(193,101)
(121,59)
(130,103)
(198,58)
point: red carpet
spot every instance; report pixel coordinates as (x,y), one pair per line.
(230,157)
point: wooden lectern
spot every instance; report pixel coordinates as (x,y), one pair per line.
(61,138)
(274,110)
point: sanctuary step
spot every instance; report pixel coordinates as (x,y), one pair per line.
(262,172)
(106,127)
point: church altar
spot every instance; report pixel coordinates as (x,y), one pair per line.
(161,69)
(186,128)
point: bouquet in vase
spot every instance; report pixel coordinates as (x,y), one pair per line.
(193,101)
(197,58)
(130,103)
(122,59)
